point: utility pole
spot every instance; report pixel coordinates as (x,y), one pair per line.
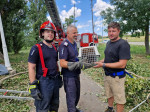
(92,20)
(74,14)
(5,52)
(102,30)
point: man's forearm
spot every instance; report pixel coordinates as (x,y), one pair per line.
(31,69)
(102,61)
(32,76)
(120,64)
(63,63)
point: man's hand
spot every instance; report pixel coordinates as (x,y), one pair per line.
(34,91)
(98,64)
(79,65)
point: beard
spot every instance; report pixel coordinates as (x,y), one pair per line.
(115,38)
(49,41)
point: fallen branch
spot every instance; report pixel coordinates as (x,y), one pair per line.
(138,75)
(17,98)
(14,91)
(11,76)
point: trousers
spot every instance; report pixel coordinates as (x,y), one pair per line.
(72,89)
(49,88)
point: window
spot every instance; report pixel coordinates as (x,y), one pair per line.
(85,38)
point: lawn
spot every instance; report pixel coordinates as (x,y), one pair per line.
(128,38)
(136,91)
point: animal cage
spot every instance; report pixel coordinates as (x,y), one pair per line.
(89,54)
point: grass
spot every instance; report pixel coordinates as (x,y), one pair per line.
(138,57)
(19,63)
(20,83)
(135,39)
(129,39)
(136,89)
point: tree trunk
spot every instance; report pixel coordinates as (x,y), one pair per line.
(1,56)
(147,38)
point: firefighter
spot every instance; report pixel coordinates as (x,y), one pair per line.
(117,53)
(43,73)
(71,68)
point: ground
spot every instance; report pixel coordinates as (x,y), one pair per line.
(92,96)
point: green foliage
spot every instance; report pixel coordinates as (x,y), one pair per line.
(96,74)
(135,49)
(36,15)
(101,48)
(132,15)
(13,14)
(14,106)
(20,83)
(69,21)
(137,89)
(21,22)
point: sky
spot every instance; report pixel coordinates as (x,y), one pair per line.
(83,14)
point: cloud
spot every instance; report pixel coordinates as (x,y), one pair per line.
(100,6)
(73,2)
(64,6)
(64,14)
(98,23)
(98,29)
(79,26)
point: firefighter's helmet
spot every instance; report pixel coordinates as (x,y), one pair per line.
(47,25)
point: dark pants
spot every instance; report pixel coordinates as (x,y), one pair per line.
(72,89)
(49,89)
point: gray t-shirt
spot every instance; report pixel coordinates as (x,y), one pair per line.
(114,52)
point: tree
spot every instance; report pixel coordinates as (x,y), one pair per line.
(69,21)
(13,16)
(133,15)
(36,15)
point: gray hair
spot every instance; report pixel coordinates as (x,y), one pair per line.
(70,27)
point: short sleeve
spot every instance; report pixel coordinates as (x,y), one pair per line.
(124,51)
(33,55)
(63,52)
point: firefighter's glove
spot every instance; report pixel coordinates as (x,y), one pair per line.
(79,65)
(34,91)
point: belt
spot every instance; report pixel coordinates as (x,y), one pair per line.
(120,74)
(52,77)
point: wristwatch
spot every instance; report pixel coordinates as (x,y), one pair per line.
(103,65)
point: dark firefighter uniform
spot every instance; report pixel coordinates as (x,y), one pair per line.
(48,85)
(68,52)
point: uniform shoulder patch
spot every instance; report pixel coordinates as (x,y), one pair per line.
(41,44)
(66,43)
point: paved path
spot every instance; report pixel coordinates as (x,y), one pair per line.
(91,93)
(89,100)
(132,43)
(137,43)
